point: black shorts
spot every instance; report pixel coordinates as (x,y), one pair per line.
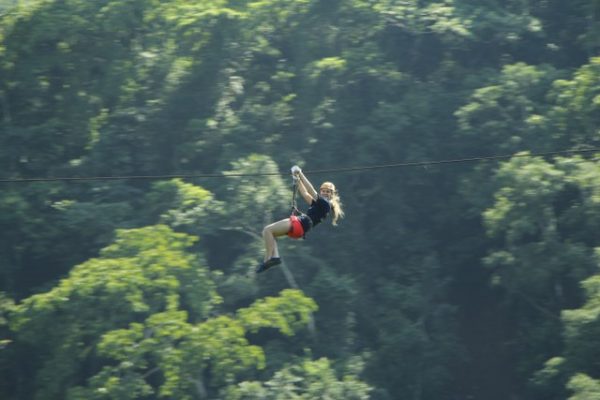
(306,222)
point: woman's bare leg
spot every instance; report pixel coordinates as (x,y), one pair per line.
(270,232)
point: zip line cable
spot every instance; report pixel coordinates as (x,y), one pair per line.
(312,172)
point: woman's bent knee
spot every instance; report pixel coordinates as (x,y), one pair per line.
(267,231)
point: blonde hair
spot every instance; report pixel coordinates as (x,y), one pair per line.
(336,204)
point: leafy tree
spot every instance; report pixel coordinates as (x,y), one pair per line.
(542,258)
(146,304)
(509,115)
(584,387)
(581,328)
(182,205)
(573,117)
(193,360)
(574,372)
(140,274)
(307,379)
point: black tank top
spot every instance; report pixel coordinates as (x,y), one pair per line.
(317,211)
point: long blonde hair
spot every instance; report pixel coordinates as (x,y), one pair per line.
(336,204)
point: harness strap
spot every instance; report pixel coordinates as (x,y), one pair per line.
(295,210)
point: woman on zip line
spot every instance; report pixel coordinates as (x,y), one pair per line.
(296,226)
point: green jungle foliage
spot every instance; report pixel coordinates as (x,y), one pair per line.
(472,280)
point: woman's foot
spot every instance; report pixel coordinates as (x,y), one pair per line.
(271,262)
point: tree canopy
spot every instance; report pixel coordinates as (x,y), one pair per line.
(462,280)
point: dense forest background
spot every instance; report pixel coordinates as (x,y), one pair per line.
(473,280)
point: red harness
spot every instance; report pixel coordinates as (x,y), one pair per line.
(296,230)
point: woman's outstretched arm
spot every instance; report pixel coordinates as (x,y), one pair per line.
(306,188)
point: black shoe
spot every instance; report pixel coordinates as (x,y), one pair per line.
(271,262)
